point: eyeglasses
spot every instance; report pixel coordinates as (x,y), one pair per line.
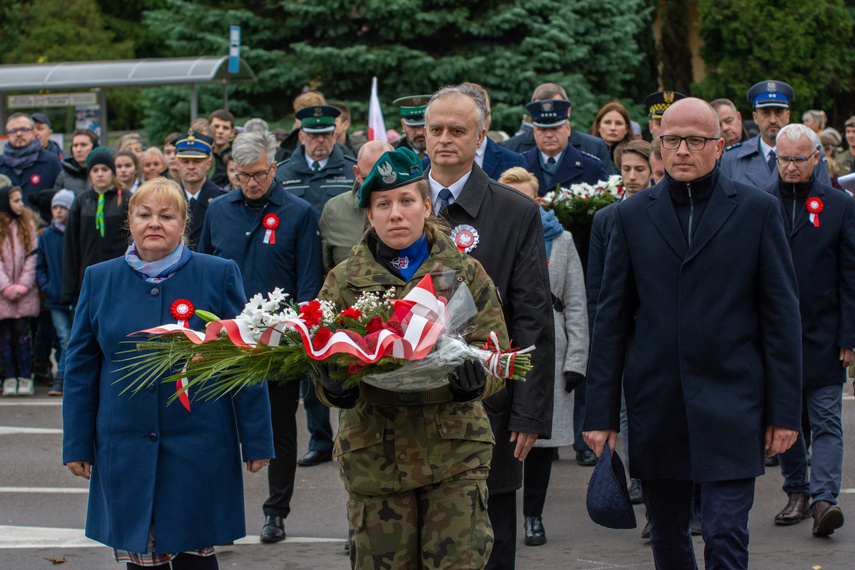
(244,178)
(799,161)
(673,142)
(328,135)
(21,130)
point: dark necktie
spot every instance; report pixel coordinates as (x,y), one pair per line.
(550,160)
(445,197)
(316,166)
(772,162)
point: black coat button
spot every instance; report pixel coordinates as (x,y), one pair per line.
(155,292)
(151,387)
(152,436)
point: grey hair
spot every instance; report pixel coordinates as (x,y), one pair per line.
(817,116)
(18,116)
(466,91)
(795,131)
(248,148)
(723,103)
(256,126)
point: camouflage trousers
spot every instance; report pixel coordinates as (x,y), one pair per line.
(440,526)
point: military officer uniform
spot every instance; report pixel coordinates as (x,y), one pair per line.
(571,166)
(298,176)
(752,162)
(412,115)
(415,464)
(196,145)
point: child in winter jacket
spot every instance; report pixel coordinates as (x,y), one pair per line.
(19,296)
(49,274)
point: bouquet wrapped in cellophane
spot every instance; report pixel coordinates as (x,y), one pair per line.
(407,344)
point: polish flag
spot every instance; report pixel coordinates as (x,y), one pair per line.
(376,125)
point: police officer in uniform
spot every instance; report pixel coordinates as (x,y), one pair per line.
(656,104)
(193,156)
(413,123)
(554,161)
(318,169)
(753,162)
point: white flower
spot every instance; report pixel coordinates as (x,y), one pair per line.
(277,296)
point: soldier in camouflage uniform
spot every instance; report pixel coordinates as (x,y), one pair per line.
(415,464)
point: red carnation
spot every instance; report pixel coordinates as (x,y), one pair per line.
(311,313)
(349,313)
(322,336)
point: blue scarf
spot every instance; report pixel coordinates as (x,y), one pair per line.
(160,270)
(19,159)
(552,228)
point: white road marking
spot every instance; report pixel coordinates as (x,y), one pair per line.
(40,490)
(53,402)
(11,430)
(848,491)
(45,537)
(849,397)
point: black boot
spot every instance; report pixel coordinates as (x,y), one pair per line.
(534,533)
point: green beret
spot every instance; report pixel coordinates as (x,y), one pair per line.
(394,169)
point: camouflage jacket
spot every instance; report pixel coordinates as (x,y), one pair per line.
(390,449)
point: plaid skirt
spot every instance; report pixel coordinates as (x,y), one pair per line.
(152,558)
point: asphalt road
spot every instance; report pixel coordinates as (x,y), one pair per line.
(43,512)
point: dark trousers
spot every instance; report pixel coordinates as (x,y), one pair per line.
(44,338)
(317,418)
(284,400)
(502,508)
(537,470)
(824,410)
(724,510)
(15,347)
(579,417)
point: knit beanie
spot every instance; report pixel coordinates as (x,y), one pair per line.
(62,198)
(100,155)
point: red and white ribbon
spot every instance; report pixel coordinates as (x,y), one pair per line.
(814,206)
(270,223)
(182,310)
(497,362)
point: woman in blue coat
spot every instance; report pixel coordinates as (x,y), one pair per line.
(166,481)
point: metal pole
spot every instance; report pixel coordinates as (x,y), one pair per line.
(102,105)
(3,111)
(225,95)
(194,104)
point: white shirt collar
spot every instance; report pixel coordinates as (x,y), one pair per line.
(479,153)
(191,196)
(765,148)
(455,188)
(323,162)
(545,157)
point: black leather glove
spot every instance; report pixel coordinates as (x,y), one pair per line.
(467,381)
(571,380)
(336,394)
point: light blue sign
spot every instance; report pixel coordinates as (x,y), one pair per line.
(234,49)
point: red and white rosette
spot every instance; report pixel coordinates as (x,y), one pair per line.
(270,223)
(182,310)
(465,237)
(814,206)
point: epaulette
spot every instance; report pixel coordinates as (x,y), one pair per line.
(589,155)
(737,145)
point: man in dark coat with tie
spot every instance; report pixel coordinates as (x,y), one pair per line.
(698,313)
(193,158)
(753,161)
(820,225)
(501,228)
(493,159)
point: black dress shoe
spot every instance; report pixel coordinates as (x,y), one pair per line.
(635,495)
(645,532)
(695,524)
(313,458)
(586,458)
(796,510)
(771,461)
(273,529)
(534,533)
(826,518)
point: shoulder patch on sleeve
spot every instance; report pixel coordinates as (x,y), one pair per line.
(589,155)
